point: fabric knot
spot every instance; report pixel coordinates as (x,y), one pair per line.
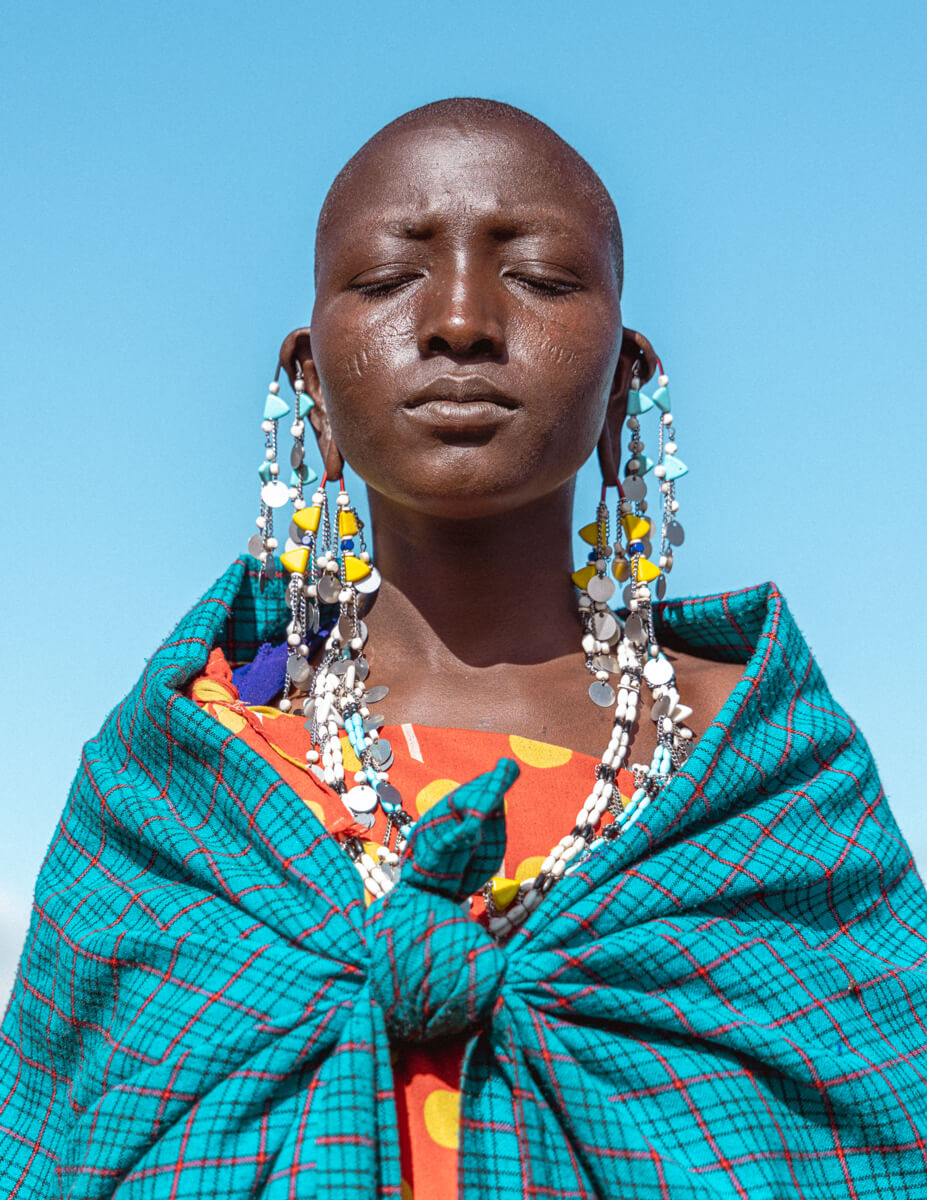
(433,970)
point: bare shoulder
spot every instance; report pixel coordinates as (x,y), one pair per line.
(704,685)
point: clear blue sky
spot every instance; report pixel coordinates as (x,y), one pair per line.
(163,166)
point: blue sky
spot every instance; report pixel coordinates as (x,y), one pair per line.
(163,167)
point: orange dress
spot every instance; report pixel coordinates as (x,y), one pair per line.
(428,763)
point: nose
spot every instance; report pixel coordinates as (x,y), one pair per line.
(461,319)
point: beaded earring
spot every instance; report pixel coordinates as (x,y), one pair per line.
(274,493)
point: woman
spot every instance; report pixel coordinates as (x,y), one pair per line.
(279,936)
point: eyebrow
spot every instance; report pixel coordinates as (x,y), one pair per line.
(421,228)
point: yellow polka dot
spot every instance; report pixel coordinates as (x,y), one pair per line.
(405,1192)
(316,809)
(528,868)
(539,754)
(432,792)
(351,761)
(231,720)
(442,1117)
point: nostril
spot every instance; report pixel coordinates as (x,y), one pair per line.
(483,347)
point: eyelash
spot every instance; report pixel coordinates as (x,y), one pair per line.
(382,287)
(554,288)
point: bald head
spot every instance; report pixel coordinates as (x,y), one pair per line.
(470,116)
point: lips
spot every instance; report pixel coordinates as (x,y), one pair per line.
(465,404)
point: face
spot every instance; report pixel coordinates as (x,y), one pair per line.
(467,326)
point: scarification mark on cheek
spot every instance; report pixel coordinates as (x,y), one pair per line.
(560,354)
(357,364)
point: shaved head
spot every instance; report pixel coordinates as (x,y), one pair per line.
(468,115)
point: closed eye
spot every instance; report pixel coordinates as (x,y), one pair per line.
(373,288)
(545,285)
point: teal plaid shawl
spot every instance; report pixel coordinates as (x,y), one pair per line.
(729,1001)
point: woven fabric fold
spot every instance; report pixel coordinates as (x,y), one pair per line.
(729,1001)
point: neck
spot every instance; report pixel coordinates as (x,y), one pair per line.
(483,592)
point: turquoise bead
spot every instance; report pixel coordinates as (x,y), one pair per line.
(673,467)
(303,404)
(638,403)
(264,471)
(275,407)
(646,464)
(661,399)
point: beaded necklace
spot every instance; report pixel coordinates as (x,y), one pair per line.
(324,569)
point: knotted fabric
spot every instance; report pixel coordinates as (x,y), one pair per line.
(432,970)
(728,1001)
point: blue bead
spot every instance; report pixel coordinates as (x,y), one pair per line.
(592,555)
(347,543)
(635,547)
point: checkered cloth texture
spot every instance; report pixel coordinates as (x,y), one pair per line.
(728,1001)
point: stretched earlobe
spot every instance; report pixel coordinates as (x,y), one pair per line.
(295,357)
(637,359)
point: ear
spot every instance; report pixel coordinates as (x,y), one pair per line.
(295,355)
(637,355)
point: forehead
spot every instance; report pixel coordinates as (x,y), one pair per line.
(503,172)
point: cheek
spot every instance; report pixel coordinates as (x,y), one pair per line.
(573,367)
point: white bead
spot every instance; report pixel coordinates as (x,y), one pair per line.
(299,503)
(663,381)
(261,522)
(296,429)
(303,649)
(603,675)
(671,447)
(292,639)
(344,596)
(667,418)
(659,471)
(357,643)
(318,497)
(666,488)
(299,385)
(284,705)
(361,777)
(547,865)
(267,426)
(364,556)
(588,643)
(269,454)
(557,872)
(274,469)
(273,387)
(272,543)
(674,506)
(343,499)
(312,756)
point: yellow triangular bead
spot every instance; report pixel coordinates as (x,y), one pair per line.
(503,891)
(621,570)
(347,524)
(354,569)
(594,534)
(635,527)
(308,518)
(582,576)
(295,561)
(646,570)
